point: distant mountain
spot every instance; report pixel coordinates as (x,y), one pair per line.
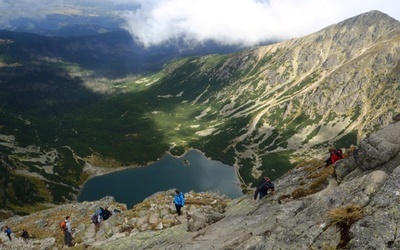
(63,25)
(110,53)
(72,104)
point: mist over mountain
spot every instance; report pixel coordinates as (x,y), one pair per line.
(76,106)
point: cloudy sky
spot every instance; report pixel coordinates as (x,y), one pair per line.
(246,22)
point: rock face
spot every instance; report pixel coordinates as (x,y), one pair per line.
(355,206)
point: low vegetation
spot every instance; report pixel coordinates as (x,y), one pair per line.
(343,217)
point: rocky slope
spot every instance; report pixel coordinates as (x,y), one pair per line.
(353,204)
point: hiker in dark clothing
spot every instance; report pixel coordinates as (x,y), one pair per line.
(8,232)
(263,187)
(25,235)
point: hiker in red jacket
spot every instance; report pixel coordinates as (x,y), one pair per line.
(334,156)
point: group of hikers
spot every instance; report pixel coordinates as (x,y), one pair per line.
(100,215)
(264,187)
(8,232)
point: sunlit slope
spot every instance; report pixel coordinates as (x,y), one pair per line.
(286,100)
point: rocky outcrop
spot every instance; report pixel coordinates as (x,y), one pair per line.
(156,213)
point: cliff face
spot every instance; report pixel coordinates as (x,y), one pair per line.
(352,204)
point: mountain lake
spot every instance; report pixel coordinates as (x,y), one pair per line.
(191,171)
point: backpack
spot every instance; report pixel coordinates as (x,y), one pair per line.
(100,211)
(106,214)
(182,198)
(339,153)
(63,225)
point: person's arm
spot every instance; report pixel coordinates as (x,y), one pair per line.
(271,187)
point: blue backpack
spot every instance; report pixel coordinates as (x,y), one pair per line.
(100,212)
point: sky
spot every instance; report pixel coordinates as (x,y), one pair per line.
(235,22)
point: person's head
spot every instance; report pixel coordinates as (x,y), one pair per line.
(67,217)
(267,179)
(177,191)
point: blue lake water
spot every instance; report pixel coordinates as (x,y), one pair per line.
(133,185)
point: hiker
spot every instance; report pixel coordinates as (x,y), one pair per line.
(25,235)
(263,187)
(334,156)
(106,213)
(179,201)
(99,212)
(68,232)
(8,232)
(96,221)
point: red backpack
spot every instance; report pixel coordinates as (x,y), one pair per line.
(63,225)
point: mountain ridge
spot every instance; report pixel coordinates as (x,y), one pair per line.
(260,110)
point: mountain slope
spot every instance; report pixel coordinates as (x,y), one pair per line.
(326,88)
(354,209)
(260,110)
(350,205)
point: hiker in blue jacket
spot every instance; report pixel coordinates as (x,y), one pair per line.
(179,201)
(8,232)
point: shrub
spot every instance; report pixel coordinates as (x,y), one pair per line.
(346,215)
(299,192)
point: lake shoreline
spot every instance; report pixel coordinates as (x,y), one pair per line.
(204,173)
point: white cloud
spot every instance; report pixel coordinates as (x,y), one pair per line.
(246,22)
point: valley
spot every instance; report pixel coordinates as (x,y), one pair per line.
(69,105)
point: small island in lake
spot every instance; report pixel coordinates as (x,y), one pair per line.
(186,162)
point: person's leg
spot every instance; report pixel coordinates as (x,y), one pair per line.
(328,162)
(65,238)
(178,209)
(69,239)
(9,235)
